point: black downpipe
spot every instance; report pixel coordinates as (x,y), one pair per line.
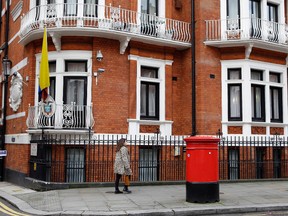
(5,90)
(194,130)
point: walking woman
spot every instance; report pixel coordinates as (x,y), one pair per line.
(122,166)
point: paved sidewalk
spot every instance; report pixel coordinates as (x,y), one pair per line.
(148,200)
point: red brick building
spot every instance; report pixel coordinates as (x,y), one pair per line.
(136,67)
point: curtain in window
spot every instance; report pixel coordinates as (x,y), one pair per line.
(90,8)
(149,72)
(52,67)
(148,164)
(254,7)
(234,75)
(233,164)
(76,67)
(75,165)
(256,101)
(70,8)
(275,104)
(235,101)
(149,7)
(233,9)
(143,100)
(152,102)
(272,12)
(256,75)
(74,90)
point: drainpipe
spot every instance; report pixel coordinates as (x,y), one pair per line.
(5,89)
(194,130)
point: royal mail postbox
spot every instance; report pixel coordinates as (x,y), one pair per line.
(202,171)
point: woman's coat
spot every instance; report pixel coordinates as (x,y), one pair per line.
(122,162)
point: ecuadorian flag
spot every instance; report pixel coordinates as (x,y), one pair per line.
(44,79)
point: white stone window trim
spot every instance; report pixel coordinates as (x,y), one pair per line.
(60,73)
(245,81)
(134,124)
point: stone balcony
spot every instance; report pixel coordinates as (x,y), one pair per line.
(248,32)
(103,21)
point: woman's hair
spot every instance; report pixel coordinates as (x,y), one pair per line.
(120,144)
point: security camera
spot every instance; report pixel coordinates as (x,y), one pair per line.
(99,56)
(101,70)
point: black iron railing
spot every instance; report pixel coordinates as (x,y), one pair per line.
(77,158)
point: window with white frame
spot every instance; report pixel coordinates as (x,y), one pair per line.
(257,96)
(149,94)
(70,81)
(149,7)
(234,95)
(152,7)
(276,112)
(263,87)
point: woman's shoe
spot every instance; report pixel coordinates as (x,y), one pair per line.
(125,189)
(118,192)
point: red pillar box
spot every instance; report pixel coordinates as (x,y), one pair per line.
(202,171)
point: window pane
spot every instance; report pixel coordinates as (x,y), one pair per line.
(90,8)
(235,101)
(272,12)
(143,102)
(74,90)
(234,74)
(75,165)
(276,104)
(149,7)
(70,8)
(254,8)
(256,75)
(149,72)
(152,100)
(233,163)
(144,8)
(258,101)
(52,67)
(274,77)
(74,66)
(233,9)
(149,100)
(52,87)
(152,7)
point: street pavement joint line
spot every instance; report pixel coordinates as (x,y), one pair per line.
(7,210)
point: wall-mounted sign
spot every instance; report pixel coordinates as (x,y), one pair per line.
(33,149)
(3,153)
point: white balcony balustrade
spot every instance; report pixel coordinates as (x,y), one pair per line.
(66,116)
(73,19)
(234,32)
